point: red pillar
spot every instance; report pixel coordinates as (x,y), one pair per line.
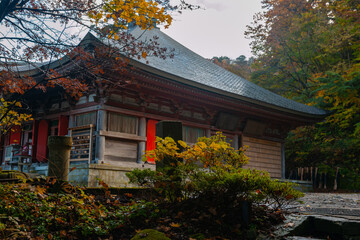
(34,138)
(150,137)
(15,135)
(41,148)
(63,125)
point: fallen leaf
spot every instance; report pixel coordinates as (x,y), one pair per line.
(212,211)
(165,228)
(175,225)
(63,233)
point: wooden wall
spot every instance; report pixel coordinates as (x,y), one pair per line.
(120,152)
(263,155)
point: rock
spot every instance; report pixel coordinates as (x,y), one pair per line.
(351,228)
(317,225)
(302,226)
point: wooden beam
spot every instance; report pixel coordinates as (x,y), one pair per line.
(122,135)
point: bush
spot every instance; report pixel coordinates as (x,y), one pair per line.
(220,176)
(34,209)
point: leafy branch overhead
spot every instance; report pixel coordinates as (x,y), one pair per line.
(37,32)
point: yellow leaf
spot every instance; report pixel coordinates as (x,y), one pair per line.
(183,144)
(144,54)
(174,225)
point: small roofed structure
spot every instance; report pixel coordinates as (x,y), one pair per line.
(111,129)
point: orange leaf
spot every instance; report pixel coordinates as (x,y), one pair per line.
(174,225)
(40,190)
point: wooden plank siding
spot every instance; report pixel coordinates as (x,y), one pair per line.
(120,152)
(263,155)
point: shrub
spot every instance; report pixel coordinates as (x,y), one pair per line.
(209,152)
(220,176)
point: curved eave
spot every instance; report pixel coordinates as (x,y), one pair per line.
(39,70)
(33,71)
(188,82)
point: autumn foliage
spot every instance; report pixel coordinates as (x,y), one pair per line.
(205,185)
(208,169)
(41,31)
(309,51)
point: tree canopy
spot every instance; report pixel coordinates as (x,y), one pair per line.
(35,32)
(310,51)
(240,66)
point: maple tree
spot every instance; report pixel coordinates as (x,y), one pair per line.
(39,31)
(309,51)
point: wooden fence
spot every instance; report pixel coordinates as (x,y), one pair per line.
(318,179)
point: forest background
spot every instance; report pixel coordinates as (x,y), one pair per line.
(309,51)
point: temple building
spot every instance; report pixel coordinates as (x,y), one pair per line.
(111,131)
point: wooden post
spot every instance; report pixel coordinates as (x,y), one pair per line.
(298,173)
(307,174)
(63,125)
(336,178)
(283,160)
(71,123)
(320,180)
(91,140)
(315,176)
(236,142)
(100,140)
(141,145)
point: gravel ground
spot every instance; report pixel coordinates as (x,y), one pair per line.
(334,204)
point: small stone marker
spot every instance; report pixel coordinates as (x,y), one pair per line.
(59,156)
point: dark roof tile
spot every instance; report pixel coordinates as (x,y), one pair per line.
(191,66)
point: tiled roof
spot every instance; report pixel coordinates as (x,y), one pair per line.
(200,72)
(22,67)
(190,66)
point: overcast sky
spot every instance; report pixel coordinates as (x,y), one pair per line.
(218,30)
